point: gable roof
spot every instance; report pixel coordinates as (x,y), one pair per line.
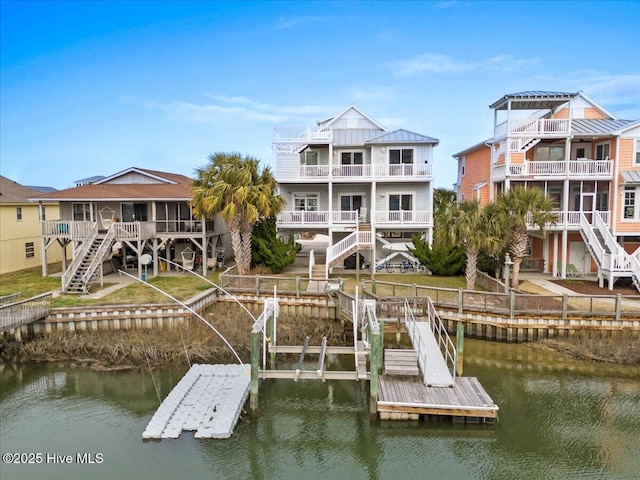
(403,136)
(328,121)
(12,192)
(169,186)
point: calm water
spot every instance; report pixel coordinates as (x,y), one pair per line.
(559,419)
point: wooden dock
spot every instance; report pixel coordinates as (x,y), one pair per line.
(207,400)
(408,398)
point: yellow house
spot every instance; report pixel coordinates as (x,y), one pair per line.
(20,240)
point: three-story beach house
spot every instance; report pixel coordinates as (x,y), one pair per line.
(134,218)
(585,159)
(366,188)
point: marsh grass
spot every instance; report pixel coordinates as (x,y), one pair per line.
(191,342)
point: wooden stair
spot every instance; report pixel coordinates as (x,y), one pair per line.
(317,272)
(401,362)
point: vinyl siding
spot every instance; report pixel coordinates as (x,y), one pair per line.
(477,169)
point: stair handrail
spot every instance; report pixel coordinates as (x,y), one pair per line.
(78,257)
(334,251)
(635,270)
(98,258)
(614,247)
(592,240)
(312,263)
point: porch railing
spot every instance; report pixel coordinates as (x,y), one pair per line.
(300,217)
(404,170)
(539,126)
(72,229)
(403,217)
(301,134)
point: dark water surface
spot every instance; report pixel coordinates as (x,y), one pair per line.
(559,419)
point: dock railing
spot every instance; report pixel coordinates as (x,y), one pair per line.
(447,348)
(20,313)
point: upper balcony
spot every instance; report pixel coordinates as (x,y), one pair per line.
(533,127)
(302,135)
(387,172)
(581,169)
(81,230)
(384,218)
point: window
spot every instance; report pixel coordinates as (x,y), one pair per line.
(629,203)
(43,213)
(351,158)
(550,153)
(309,157)
(400,202)
(637,155)
(463,162)
(581,152)
(602,151)
(305,202)
(19,213)
(29,250)
(396,157)
(83,212)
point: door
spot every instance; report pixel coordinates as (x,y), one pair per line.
(579,256)
(588,204)
(349,203)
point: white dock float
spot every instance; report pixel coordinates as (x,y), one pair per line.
(207,400)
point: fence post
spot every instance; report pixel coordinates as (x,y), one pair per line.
(565,306)
(257,285)
(298,286)
(255,369)
(459,348)
(373,286)
(460,309)
(415,294)
(376,363)
(512,305)
(618,307)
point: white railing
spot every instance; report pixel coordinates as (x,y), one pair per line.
(73,229)
(611,243)
(303,217)
(347,171)
(542,126)
(590,167)
(313,171)
(300,134)
(404,217)
(447,348)
(312,263)
(78,257)
(635,271)
(344,216)
(134,230)
(96,261)
(411,170)
(347,243)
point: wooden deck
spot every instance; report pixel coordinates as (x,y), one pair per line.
(409,396)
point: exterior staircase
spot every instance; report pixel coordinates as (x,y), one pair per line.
(612,260)
(361,239)
(87,261)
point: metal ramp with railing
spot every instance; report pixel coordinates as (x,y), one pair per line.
(436,352)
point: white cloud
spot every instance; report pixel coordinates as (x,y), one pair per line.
(226,110)
(439,63)
(374,94)
(285,23)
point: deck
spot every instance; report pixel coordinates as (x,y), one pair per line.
(408,395)
(207,400)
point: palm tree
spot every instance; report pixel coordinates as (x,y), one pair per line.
(234,187)
(519,209)
(471,227)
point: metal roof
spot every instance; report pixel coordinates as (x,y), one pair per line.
(530,100)
(597,126)
(631,176)
(402,136)
(353,136)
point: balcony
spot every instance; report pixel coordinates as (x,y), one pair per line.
(386,218)
(404,171)
(572,218)
(301,135)
(533,127)
(573,169)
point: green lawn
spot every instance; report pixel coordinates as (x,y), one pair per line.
(30,283)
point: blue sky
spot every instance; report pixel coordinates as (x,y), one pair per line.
(91,88)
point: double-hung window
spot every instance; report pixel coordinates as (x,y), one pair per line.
(630,211)
(83,212)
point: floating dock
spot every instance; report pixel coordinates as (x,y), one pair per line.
(207,400)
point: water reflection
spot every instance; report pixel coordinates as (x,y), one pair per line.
(559,418)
